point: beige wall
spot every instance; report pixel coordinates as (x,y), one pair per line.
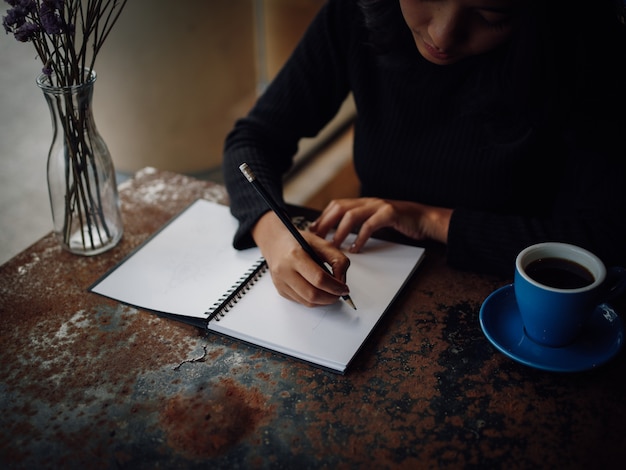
(174,76)
(284,23)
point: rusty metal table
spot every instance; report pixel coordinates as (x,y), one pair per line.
(88,383)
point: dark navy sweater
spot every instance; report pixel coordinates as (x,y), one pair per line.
(419,138)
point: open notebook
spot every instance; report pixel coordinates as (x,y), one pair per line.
(189,271)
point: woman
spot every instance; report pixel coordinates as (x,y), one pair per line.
(486,125)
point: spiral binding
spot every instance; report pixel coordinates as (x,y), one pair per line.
(221,307)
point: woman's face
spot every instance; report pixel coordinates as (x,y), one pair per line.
(446,31)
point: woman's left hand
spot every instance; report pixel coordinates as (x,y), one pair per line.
(415,220)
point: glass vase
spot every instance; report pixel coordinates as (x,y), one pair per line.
(81,177)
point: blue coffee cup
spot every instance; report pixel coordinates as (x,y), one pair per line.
(557,287)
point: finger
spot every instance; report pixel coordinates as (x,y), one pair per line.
(307,282)
(298,288)
(301,290)
(338,263)
(292,294)
(330,216)
(324,281)
(351,219)
(378,220)
(370,211)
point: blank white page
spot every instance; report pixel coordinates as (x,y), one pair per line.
(186,267)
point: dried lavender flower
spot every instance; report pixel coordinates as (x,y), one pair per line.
(50,13)
(67,34)
(26,32)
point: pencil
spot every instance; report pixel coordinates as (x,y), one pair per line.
(251,177)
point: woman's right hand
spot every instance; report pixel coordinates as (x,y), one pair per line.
(296,276)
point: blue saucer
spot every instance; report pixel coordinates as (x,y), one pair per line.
(501,322)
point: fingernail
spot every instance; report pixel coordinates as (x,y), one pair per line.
(353,248)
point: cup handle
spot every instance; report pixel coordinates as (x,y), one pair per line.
(615,283)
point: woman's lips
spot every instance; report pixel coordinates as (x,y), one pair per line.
(435,53)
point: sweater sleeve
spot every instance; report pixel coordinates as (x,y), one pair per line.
(589,209)
(303,97)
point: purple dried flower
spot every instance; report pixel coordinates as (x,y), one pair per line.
(27,5)
(51,26)
(50,16)
(26,32)
(16,17)
(8,24)
(15,3)
(57,4)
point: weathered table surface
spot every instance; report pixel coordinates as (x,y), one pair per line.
(88,383)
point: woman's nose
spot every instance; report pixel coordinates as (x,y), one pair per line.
(446,29)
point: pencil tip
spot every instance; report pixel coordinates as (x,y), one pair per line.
(350,302)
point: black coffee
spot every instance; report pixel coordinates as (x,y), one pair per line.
(559,273)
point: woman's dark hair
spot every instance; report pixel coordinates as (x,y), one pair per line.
(386,27)
(565,57)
